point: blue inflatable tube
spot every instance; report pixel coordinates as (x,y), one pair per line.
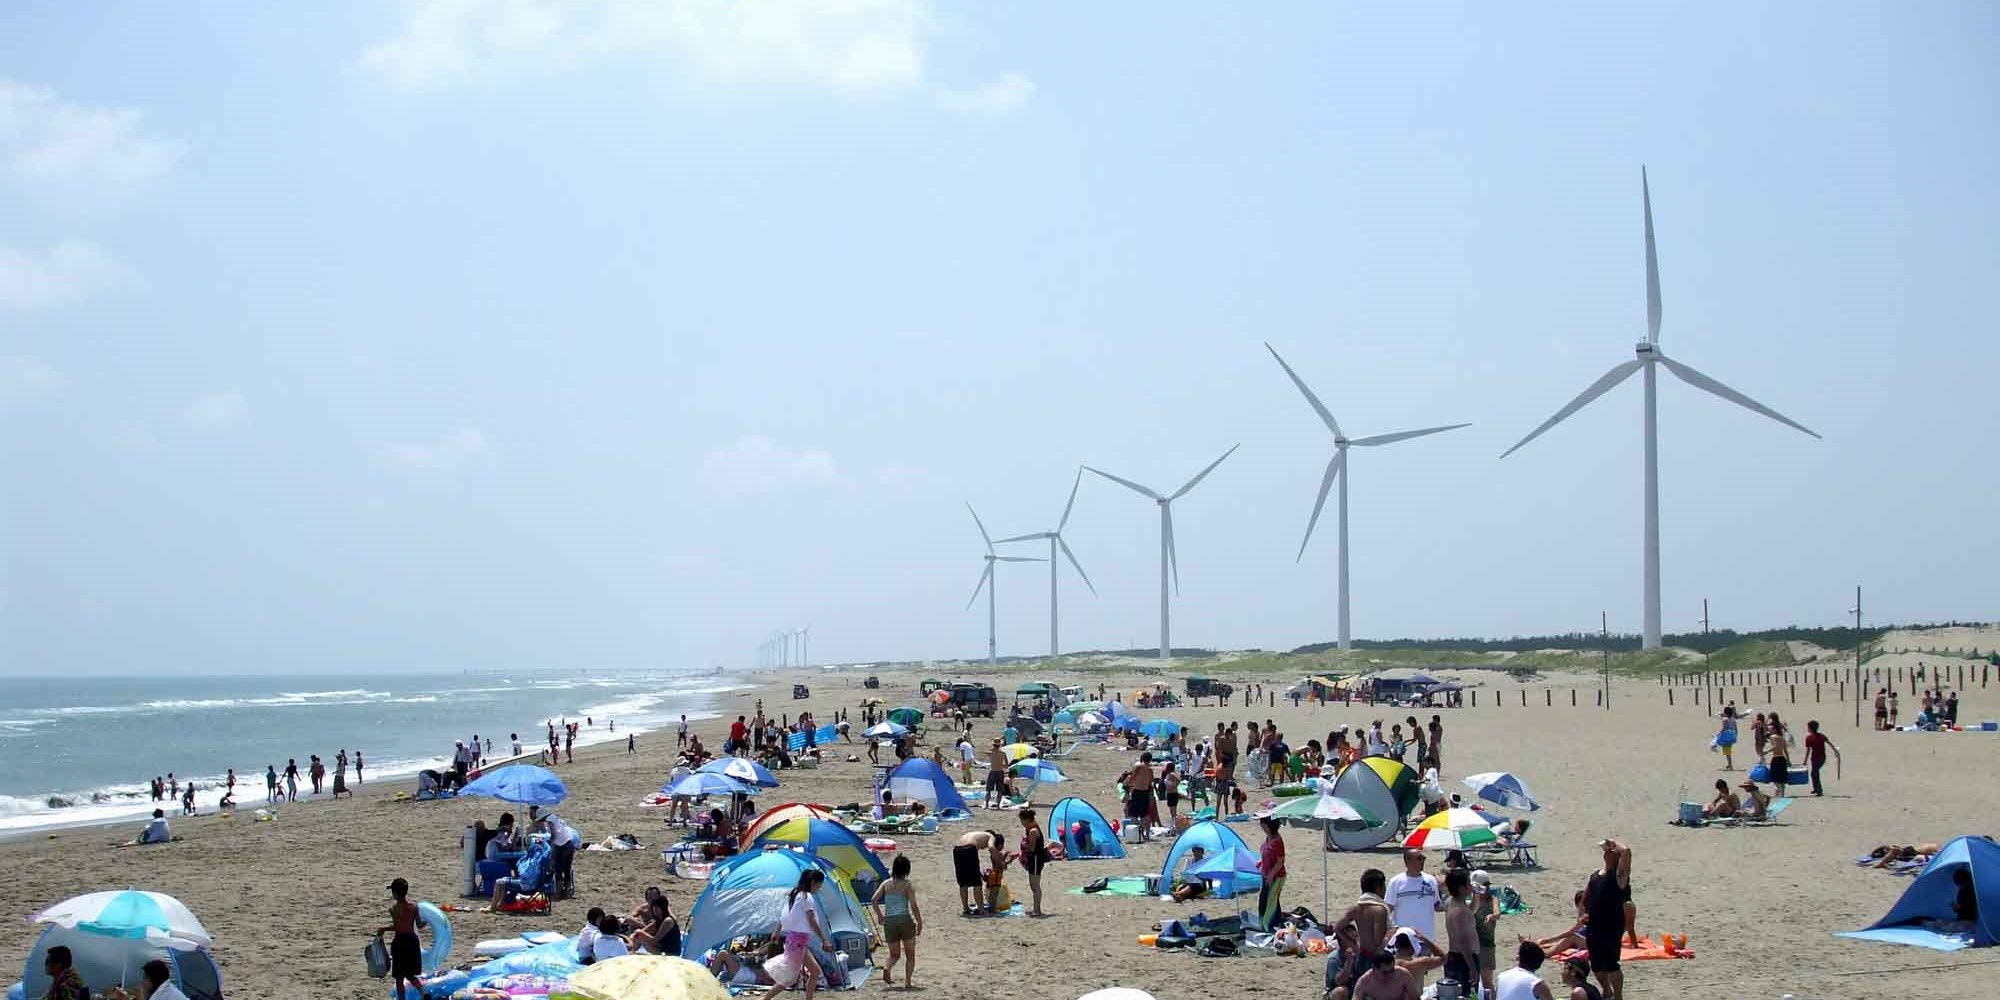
(439,952)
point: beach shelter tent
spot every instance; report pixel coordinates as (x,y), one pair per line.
(1405,784)
(1230,872)
(907,716)
(922,779)
(1071,813)
(779,813)
(1212,837)
(1929,900)
(1363,786)
(1115,710)
(1066,717)
(746,895)
(824,838)
(112,934)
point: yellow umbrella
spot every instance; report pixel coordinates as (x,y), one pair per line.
(643,977)
(1016,751)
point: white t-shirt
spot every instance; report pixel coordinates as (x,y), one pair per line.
(517,748)
(795,915)
(1414,902)
(586,941)
(561,834)
(966,753)
(168,991)
(610,947)
(1515,984)
(156,832)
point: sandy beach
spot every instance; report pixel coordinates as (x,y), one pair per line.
(291,902)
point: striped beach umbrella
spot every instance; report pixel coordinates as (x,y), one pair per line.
(1452,830)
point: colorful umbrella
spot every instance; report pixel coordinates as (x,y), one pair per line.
(743,769)
(1502,789)
(708,783)
(523,783)
(1038,770)
(128,914)
(911,717)
(1017,751)
(1451,830)
(886,731)
(644,977)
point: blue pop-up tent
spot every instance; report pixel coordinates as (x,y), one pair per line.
(1071,817)
(922,779)
(1212,837)
(1925,917)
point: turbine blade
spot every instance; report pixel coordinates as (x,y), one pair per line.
(1598,388)
(1370,442)
(983,577)
(1652,265)
(1021,538)
(982,527)
(1709,385)
(1078,565)
(1333,467)
(1319,407)
(1072,501)
(1204,473)
(1018,559)
(1127,483)
(1173,557)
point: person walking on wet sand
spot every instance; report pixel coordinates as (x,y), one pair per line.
(406,956)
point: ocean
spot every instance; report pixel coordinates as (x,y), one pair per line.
(82,750)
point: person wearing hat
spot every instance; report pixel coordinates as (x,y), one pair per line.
(1485,917)
(406,954)
(1576,976)
(1756,801)
(1416,954)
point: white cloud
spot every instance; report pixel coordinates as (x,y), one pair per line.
(1004,96)
(462,450)
(92,155)
(26,381)
(760,465)
(216,411)
(63,273)
(844,45)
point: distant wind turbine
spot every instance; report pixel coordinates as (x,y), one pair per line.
(1334,467)
(1056,540)
(989,582)
(1649,357)
(1169,562)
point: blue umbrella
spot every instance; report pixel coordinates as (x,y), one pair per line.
(522,783)
(1502,789)
(1035,769)
(886,730)
(743,769)
(1125,722)
(1160,729)
(708,783)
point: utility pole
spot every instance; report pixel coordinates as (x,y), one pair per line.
(1708,672)
(1860,689)
(1604,629)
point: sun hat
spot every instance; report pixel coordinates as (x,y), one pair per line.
(1481,882)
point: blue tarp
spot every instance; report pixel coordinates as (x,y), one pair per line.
(823,736)
(1071,812)
(1924,916)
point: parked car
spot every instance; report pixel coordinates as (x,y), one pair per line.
(975,699)
(1208,687)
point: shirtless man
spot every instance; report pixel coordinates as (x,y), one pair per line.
(996,775)
(1369,920)
(1725,804)
(1385,980)
(965,868)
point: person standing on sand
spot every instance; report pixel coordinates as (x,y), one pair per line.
(681,733)
(406,954)
(1605,899)
(318,773)
(996,774)
(229,791)
(1437,744)
(1271,867)
(902,920)
(1816,747)
(631,744)
(1781,756)
(291,779)
(1034,857)
(271,784)
(340,775)
(1367,921)
(1894,714)
(1139,795)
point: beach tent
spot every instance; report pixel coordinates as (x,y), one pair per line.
(824,838)
(1921,916)
(923,780)
(781,812)
(907,716)
(1405,784)
(1364,787)
(1071,812)
(1229,872)
(1212,837)
(1115,710)
(110,935)
(1065,719)
(746,895)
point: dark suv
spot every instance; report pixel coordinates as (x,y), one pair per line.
(975,699)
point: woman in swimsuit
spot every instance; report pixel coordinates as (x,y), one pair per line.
(1572,939)
(1034,857)
(902,920)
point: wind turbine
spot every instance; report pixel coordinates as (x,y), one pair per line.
(1649,358)
(990,582)
(1055,540)
(1169,562)
(1334,467)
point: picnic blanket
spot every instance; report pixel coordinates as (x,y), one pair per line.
(1116,885)
(1647,950)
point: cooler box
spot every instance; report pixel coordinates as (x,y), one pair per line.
(1989,726)
(856,947)
(1690,814)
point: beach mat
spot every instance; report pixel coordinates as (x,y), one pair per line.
(1647,950)
(1921,937)
(1117,885)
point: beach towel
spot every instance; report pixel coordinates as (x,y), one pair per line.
(1116,885)
(1647,950)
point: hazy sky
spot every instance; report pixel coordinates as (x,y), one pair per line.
(528,334)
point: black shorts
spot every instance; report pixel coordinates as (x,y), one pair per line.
(965,866)
(996,781)
(406,956)
(1604,949)
(1781,771)
(1139,804)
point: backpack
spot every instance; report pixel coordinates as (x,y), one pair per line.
(1217,947)
(1510,901)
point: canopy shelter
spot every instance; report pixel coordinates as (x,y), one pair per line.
(1364,787)
(922,780)
(1035,689)
(1212,837)
(111,935)
(854,864)
(525,784)
(1083,831)
(1927,914)
(746,896)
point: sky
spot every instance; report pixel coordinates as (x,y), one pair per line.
(519,334)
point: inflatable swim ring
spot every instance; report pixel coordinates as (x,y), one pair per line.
(439,952)
(879,844)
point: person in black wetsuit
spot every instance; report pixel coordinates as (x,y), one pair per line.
(1604,899)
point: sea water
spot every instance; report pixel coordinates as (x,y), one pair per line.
(83,750)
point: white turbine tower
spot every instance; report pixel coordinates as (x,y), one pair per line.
(1334,467)
(1169,562)
(1056,540)
(1649,357)
(989,582)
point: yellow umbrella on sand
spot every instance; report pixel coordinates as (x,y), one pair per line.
(643,977)
(1016,751)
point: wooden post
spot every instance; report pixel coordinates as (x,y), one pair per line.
(1794,688)
(1670,697)
(1572,697)
(1524,697)
(1549,697)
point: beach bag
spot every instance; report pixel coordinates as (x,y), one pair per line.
(1510,901)
(1217,947)
(377,957)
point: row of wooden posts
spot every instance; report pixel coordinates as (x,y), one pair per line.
(1951,675)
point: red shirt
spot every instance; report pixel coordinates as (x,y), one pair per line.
(737,730)
(1816,748)
(1271,859)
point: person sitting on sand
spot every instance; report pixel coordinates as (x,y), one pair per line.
(1725,804)
(659,933)
(156,982)
(156,832)
(1386,980)
(1524,980)
(1188,887)
(1576,977)
(1757,802)
(1573,939)
(609,943)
